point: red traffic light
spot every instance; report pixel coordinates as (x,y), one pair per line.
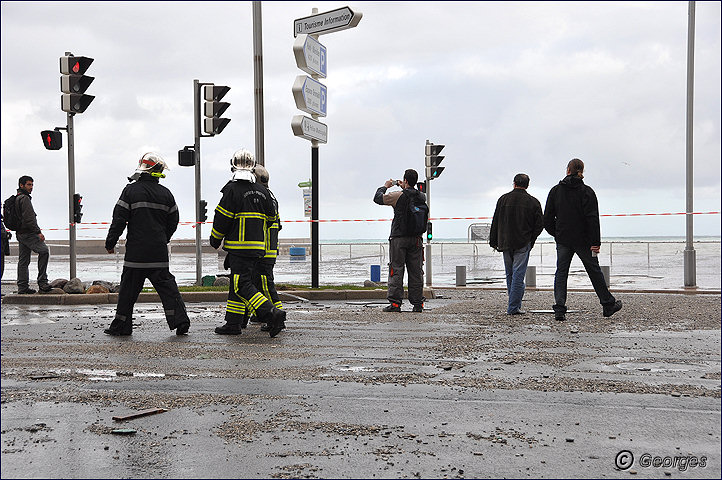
(74,65)
(52,139)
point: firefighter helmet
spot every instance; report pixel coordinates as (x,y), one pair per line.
(242,160)
(152,163)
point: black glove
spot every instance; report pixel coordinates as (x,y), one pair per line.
(226,263)
(215,243)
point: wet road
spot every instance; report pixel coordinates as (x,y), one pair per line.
(459,391)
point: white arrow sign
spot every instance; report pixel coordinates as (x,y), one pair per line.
(310,55)
(327,22)
(310,95)
(309,128)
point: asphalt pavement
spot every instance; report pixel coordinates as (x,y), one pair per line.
(346,391)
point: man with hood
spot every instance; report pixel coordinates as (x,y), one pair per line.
(241,223)
(571,216)
(151,214)
(404,250)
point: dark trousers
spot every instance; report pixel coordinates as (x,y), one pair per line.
(406,253)
(243,294)
(131,283)
(264,280)
(591,265)
(27,243)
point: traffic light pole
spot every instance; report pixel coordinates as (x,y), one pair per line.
(71,192)
(428,241)
(197,150)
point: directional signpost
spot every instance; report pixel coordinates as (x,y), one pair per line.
(311,96)
(310,55)
(309,128)
(327,22)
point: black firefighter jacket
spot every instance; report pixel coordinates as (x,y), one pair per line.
(571,214)
(150,211)
(517,221)
(242,219)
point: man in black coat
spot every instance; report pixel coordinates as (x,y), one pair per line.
(151,214)
(571,216)
(517,223)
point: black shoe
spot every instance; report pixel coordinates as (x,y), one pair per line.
(418,308)
(610,310)
(45,288)
(560,317)
(182,329)
(265,328)
(518,312)
(119,329)
(229,329)
(244,321)
(392,308)
(27,291)
(277,323)
(254,319)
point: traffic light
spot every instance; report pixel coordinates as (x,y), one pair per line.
(74,83)
(77,207)
(52,139)
(429,235)
(433,159)
(187,157)
(213,108)
(203,210)
(421,187)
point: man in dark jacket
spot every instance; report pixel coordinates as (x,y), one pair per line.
(241,222)
(571,216)
(404,250)
(517,223)
(30,239)
(151,214)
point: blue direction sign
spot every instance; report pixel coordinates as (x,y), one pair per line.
(310,55)
(310,95)
(327,22)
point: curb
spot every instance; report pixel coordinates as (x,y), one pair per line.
(195,297)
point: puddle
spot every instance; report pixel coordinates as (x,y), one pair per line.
(348,368)
(107,375)
(661,367)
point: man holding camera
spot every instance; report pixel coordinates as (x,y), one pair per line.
(404,250)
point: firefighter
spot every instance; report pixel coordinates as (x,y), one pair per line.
(151,214)
(241,222)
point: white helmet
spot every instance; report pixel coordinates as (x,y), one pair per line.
(242,160)
(152,163)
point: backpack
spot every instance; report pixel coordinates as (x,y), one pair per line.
(417,216)
(10,214)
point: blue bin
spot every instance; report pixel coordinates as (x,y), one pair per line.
(375,273)
(297,251)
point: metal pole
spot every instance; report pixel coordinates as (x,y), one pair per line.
(690,264)
(197,150)
(315,253)
(314,214)
(428,242)
(258,80)
(71,192)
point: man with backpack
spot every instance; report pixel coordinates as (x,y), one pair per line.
(411,214)
(21,217)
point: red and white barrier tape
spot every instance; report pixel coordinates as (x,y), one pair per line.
(347,220)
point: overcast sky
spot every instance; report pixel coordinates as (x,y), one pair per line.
(508,87)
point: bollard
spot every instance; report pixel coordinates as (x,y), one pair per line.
(376,273)
(605,271)
(461,275)
(531,276)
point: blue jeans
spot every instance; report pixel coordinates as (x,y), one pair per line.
(591,265)
(515,263)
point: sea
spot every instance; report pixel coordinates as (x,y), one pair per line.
(639,263)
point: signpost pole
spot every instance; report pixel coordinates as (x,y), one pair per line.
(314,214)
